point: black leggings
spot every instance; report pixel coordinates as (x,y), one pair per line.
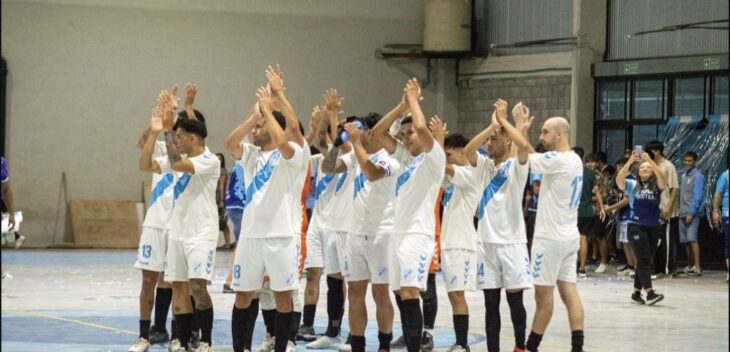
(645,240)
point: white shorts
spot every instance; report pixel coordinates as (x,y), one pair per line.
(335,252)
(366,258)
(267,301)
(622,232)
(152,249)
(458,266)
(409,260)
(257,257)
(317,241)
(190,259)
(503,266)
(554,260)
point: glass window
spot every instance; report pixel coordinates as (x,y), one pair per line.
(720,103)
(689,97)
(650,100)
(612,100)
(612,141)
(644,133)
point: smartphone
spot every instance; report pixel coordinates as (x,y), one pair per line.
(638,150)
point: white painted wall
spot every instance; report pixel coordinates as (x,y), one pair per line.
(83,76)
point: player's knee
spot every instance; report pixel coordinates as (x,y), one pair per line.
(357,290)
(149,279)
(314,274)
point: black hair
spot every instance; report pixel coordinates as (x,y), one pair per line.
(623,160)
(579,151)
(455,141)
(313,150)
(198,115)
(593,157)
(655,145)
(407,119)
(603,156)
(352,118)
(690,154)
(280,119)
(371,119)
(223,159)
(192,126)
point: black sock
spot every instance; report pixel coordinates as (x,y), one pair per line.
(414,324)
(281,331)
(269,320)
(576,340)
(335,305)
(294,327)
(308,316)
(430,302)
(519,317)
(461,327)
(184,323)
(253,314)
(17,235)
(173,329)
(384,341)
(144,329)
(533,342)
(493,321)
(399,303)
(205,319)
(163,299)
(194,325)
(357,343)
(238,328)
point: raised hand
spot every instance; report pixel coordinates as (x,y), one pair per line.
(265,100)
(167,105)
(190,91)
(521,115)
(412,91)
(500,108)
(156,120)
(438,128)
(332,101)
(276,79)
(354,132)
(317,113)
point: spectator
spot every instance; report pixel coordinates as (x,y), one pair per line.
(691,209)
(586,214)
(667,253)
(645,226)
(621,212)
(220,200)
(7,202)
(602,227)
(532,194)
(235,202)
(721,197)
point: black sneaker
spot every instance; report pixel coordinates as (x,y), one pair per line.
(653,298)
(157,336)
(398,343)
(306,333)
(426,342)
(636,298)
(227,289)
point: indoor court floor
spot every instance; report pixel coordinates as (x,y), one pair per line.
(84,300)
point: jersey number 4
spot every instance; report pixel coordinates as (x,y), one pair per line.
(577,186)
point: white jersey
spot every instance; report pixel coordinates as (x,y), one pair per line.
(500,206)
(195,213)
(562,182)
(417,189)
(324,188)
(460,202)
(161,191)
(340,206)
(273,184)
(297,201)
(372,211)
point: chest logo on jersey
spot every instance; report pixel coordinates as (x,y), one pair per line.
(494,186)
(262,177)
(404,177)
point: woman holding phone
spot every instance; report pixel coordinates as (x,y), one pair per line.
(645,227)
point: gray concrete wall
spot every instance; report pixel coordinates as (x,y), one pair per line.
(84,75)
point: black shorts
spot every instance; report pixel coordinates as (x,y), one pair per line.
(587,226)
(602,228)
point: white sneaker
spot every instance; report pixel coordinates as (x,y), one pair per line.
(175,346)
(325,343)
(6,279)
(345,347)
(687,269)
(19,241)
(456,348)
(141,345)
(653,276)
(267,344)
(601,268)
(291,347)
(203,347)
